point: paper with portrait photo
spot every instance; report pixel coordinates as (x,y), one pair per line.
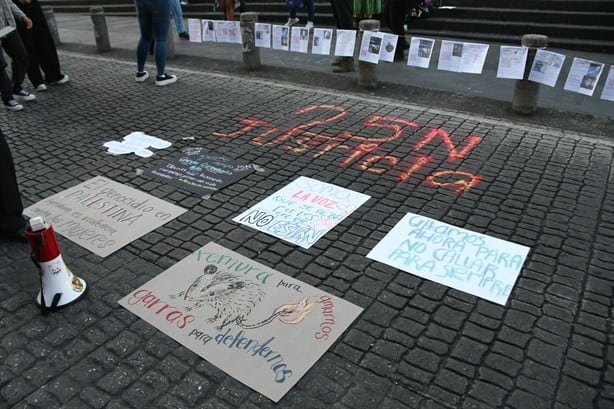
(228,32)
(299,39)
(608,88)
(322,41)
(370,46)
(208,30)
(281,38)
(420,51)
(389,46)
(512,62)
(546,67)
(462,57)
(195,30)
(345,43)
(583,76)
(263,35)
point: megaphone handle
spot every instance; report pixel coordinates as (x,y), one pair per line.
(35,258)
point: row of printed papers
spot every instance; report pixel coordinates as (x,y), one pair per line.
(456,56)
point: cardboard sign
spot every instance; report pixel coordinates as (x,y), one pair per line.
(303,211)
(102,215)
(477,264)
(200,172)
(258,325)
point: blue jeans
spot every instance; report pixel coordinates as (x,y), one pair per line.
(177,14)
(310,5)
(154,20)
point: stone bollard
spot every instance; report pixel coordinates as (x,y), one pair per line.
(367,72)
(53,25)
(101,33)
(251,53)
(170,41)
(524,101)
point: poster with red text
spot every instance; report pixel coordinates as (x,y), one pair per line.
(261,327)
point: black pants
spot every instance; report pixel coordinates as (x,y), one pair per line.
(394,13)
(40,46)
(343,11)
(6,88)
(11,208)
(15,49)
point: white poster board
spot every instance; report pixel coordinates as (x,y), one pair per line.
(102,215)
(512,62)
(345,43)
(261,327)
(263,35)
(546,67)
(370,47)
(322,41)
(302,211)
(583,76)
(420,52)
(196,30)
(281,38)
(299,39)
(389,46)
(228,32)
(608,88)
(462,57)
(209,31)
(474,263)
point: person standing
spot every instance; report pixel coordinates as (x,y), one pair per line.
(40,46)
(154,20)
(15,49)
(177,14)
(394,13)
(311,12)
(344,16)
(12,222)
(6,88)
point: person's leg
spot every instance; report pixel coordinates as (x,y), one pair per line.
(11,207)
(15,49)
(343,10)
(45,50)
(146,28)
(292,12)
(311,10)
(177,13)
(6,88)
(33,70)
(161,23)
(396,22)
(242,6)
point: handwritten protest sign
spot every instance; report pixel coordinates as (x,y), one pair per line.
(200,172)
(260,326)
(477,264)
(303,211)
(102,215)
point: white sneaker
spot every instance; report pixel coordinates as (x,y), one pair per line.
(62,80)
(24,95)
(13,105)
(309,25)
(141,76)
(165,79)
(292,21)
(40,88)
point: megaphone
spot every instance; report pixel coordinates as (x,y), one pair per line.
(59,286)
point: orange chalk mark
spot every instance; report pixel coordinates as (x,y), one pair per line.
(445,137)
(460,185)
(419,163)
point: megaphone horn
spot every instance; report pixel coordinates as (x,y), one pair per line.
(59,286)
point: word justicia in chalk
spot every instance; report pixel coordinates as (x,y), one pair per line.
(362,152)
(160,308)
(257,349)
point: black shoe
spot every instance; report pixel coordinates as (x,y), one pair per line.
(18,235)
(184,35)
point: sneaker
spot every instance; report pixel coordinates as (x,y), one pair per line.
(165,79)
(141,76)
(62,80)
(184,2)
(292,21)
(40,88)
(13,105)
(184,35)
(237,4)
(24,95)
(309,25)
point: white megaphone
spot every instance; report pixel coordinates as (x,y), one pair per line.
(59,286)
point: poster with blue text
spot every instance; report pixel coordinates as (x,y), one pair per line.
(302,211)
(261,327)
(474,263)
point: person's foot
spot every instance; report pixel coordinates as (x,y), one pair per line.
(40,88)
(184,35)
(18,235)
(13,105)
(141,76)
(24,95)
(292,21)
(184,2)
(309,25)
(65,78)
(346,65)
(165,79)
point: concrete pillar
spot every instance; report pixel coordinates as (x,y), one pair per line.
(101,33)
(170,41)
(524,101)
(53,25)
(251,53)
(367,72)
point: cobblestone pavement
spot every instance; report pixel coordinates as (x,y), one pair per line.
(418,344)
